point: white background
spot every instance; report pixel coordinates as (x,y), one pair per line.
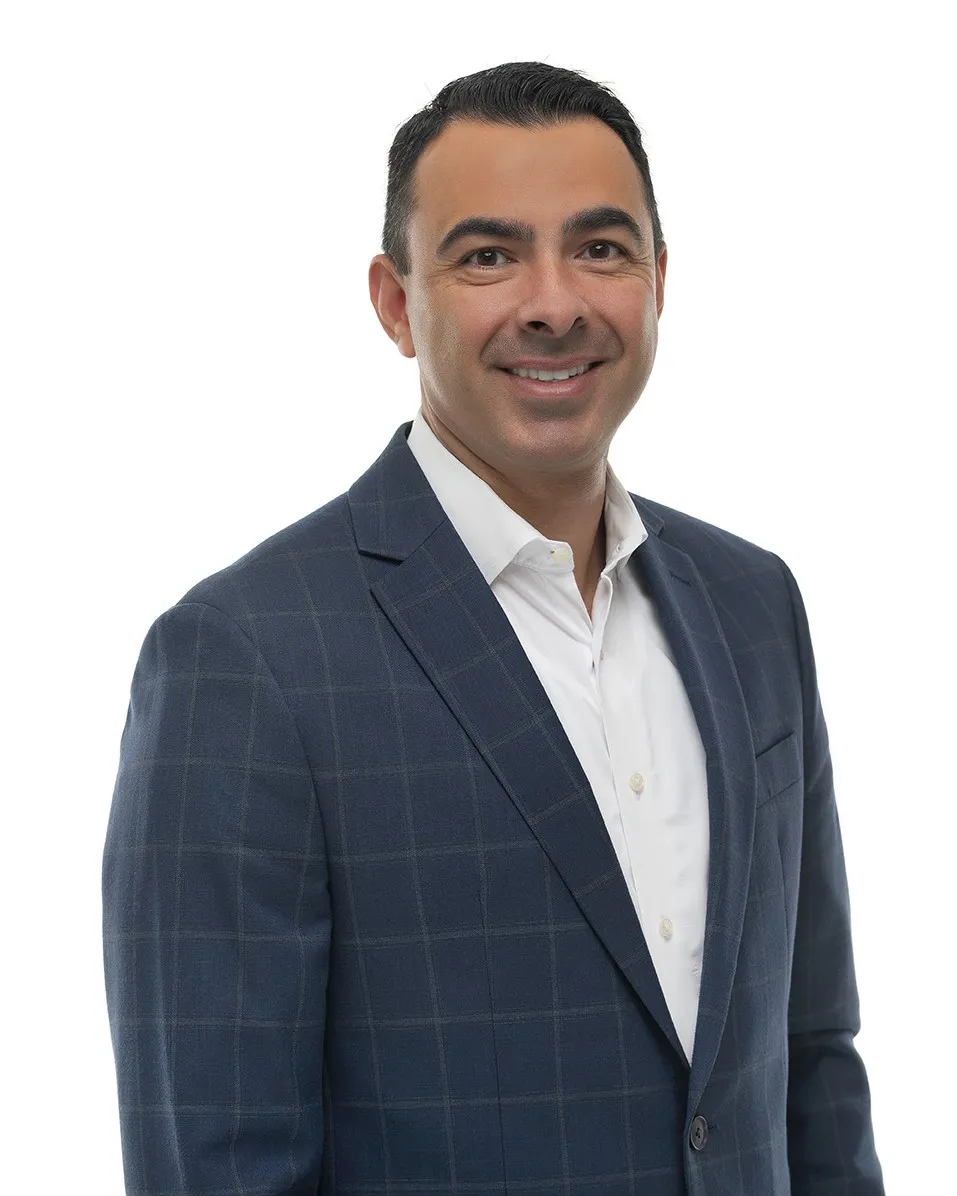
(191,196)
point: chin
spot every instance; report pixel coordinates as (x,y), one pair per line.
(553,453)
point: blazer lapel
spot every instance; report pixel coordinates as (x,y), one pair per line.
(442,607)
(707,669)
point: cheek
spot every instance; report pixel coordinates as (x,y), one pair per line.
(459,337)
(646,337)
(443,327)
(639,330)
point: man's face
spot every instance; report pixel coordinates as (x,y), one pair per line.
(488,300)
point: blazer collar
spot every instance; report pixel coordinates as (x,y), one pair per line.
(493,533)
(394,509)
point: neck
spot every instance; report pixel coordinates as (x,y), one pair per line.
(568,507)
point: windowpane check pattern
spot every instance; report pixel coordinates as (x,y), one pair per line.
(365,931)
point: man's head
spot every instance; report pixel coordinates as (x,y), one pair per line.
(562,258)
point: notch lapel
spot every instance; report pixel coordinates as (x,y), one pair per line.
(445,612)
(711,681)
(443,609)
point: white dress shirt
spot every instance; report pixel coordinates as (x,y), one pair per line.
(613,683)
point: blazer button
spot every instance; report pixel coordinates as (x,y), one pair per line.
(699,1132)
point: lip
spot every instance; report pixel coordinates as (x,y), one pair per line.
(568,388)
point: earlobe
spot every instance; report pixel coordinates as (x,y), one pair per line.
(403,338)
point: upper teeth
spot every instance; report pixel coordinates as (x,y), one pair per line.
(552,375)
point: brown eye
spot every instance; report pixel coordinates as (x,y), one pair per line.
(607,245)
(479,253)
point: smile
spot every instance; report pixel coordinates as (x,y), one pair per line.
(552,375)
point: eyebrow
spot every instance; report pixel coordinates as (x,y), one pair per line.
(588,220)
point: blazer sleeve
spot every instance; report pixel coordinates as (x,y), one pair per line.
(216,921)
(830,1138)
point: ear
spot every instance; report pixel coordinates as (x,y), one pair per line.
(660,268)
(388,298)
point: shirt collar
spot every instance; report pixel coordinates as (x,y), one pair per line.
(493,533)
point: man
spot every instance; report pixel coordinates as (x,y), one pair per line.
(477,833)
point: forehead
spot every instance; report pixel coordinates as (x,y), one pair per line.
(539,175)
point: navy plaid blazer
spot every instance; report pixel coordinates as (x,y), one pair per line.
(365,931)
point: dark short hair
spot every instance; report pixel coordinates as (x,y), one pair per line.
(523,94)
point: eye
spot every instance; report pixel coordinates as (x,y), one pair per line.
(478,253)
(608,245)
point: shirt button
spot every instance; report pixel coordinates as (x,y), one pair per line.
(666,928)
(561,555)
(636,781)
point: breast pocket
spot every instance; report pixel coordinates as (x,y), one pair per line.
(778,768)
(777,831)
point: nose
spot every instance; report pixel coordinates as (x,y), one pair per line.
(553,300)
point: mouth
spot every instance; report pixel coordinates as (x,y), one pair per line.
(563,387)
(572,371)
